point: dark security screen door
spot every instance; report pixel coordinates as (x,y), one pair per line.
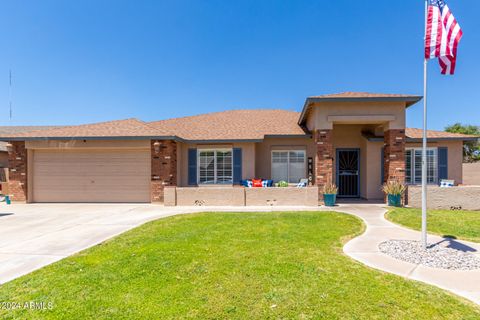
(348,173)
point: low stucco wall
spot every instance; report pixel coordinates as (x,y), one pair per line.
(239,196)
(208,196)
(471,173)
(467,198)
(281,196)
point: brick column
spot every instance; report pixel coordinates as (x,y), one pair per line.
(394,155)
(17,171)
(164,167)
(323,159)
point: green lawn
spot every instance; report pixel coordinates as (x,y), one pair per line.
(230,266)
(460,224)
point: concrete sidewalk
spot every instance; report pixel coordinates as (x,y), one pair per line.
(364,248)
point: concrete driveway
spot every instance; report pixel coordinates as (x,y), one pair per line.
(34,235)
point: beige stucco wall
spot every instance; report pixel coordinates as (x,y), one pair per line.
(471,173)
(3,159)
(467,198)
(239,196)
(367,111)
(455,157)
(248,158)
(263,153)
(206,196)
(374,170)
(281,196)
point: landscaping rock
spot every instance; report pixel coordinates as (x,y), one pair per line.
(437,255)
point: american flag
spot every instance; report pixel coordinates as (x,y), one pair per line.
(442,36)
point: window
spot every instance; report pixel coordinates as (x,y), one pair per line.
(413,166)
(288,166)
(215,167)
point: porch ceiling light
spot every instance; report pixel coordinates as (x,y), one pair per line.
(156,147)
(9,147)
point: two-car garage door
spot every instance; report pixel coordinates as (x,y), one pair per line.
(91,176)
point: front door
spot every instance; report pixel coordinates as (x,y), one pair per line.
(348,178)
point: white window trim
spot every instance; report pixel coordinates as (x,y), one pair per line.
(214,165)
(412,165)
(288,162)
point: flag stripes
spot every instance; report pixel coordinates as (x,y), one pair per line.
(443,33)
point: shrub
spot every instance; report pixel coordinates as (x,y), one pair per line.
(394,187)
(330,188)
(282,184)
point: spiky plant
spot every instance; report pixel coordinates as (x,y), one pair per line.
(394,187)
(330,188)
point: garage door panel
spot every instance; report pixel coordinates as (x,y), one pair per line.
(91,176)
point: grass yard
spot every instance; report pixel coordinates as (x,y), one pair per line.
(460,224)
(229,266)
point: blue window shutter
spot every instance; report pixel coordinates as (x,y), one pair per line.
(382,169)
(237,165)
(192,167)
(442,163)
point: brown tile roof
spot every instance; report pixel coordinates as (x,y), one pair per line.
(227,125)
(119,128)
(4,130)
(350,94)
(415,133)
(233,125)
(12,130)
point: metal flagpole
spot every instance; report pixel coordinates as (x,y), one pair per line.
(424,144)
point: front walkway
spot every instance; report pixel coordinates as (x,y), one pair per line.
(364,248)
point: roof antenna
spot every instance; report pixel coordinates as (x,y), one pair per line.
(10,94)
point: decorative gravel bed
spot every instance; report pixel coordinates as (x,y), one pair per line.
(435,256)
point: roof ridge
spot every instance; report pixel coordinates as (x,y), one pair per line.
(78,125)
(122,127)
(222,112)
(443,131)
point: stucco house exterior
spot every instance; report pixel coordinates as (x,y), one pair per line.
(354,139)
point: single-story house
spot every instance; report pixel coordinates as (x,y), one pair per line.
(354,139)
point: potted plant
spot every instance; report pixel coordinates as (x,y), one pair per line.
(330,194)
(282,184)
(394,190)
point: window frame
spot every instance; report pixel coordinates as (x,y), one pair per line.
(412,165)
(215,175)
(288,162)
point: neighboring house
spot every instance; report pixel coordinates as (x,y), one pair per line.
(3,155)
(9,130)
(356,140)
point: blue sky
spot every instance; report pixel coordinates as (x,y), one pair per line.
(87,61)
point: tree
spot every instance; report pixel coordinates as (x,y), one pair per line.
(471,149)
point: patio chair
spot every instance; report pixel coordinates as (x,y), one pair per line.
(447,183)
(303,183)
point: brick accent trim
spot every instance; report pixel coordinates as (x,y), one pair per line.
(17,167)
(323,159)
(164,167)
(394,155)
